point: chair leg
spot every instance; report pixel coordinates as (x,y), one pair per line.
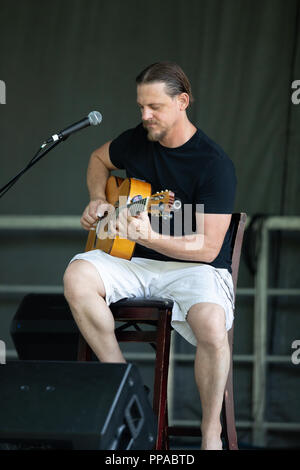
(166,443)
(228,416)
(161,379)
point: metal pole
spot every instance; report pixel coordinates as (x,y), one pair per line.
(260,335)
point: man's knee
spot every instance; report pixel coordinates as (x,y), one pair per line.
(207,321)
(80,278)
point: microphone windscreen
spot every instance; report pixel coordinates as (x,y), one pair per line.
(95,118)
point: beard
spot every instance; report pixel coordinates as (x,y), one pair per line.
(154,134)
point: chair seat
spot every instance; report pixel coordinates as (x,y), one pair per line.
(153,302)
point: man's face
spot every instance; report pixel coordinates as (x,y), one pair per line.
(159,110)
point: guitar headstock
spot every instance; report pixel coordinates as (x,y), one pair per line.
(161,203)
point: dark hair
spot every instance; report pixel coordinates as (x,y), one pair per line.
(171,74)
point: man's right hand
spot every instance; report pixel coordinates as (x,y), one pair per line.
(95,209)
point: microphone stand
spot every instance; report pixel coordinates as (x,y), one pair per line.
(40,154)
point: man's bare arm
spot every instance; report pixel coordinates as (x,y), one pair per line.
(204,245)
(98,172)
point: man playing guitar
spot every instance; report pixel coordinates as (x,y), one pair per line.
(188,263)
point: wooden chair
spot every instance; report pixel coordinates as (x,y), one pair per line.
(157,312)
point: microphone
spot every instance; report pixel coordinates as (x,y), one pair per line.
(93,119)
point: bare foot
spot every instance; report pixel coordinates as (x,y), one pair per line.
(211,444)
(211,437)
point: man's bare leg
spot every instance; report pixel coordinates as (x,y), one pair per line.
(207,321)
(85,293)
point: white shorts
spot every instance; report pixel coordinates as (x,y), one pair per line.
(183,282)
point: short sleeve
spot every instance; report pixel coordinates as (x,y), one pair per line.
(218,188)
(119,149)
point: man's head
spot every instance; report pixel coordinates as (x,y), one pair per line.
(163,95)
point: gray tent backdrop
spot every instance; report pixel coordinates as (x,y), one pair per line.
(62,59)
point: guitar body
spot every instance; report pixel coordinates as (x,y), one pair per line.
(117,187)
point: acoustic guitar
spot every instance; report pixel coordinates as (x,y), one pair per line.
(135,195)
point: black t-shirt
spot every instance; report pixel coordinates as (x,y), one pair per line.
(199,173)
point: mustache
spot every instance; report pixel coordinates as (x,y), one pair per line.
(145,123)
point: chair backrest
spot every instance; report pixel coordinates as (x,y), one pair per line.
(237,229)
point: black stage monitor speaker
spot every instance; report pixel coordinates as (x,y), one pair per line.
(74,405)
(43,328)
